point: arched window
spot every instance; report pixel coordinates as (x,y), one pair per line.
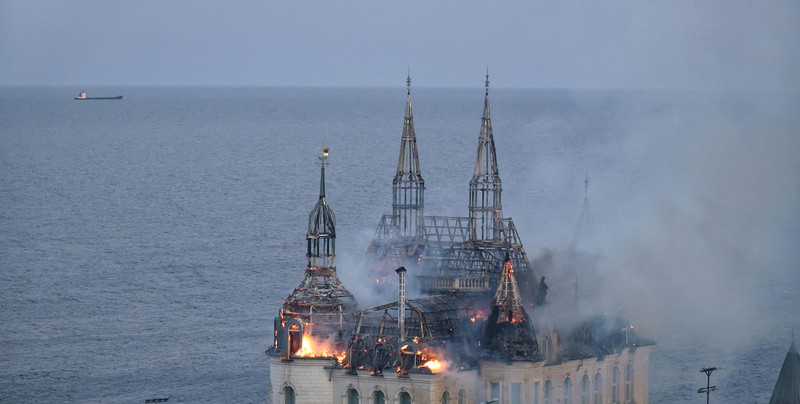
(585,389)
(404,397)
(378,397)
(445,398)
(629,383)
(352,396)
(548,391)
(615,385)
(568,391)
(462,397)
(288,395)
(597,389)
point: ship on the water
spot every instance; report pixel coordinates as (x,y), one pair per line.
(482,330)
(82,96)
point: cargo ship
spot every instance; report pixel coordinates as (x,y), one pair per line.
(82,96)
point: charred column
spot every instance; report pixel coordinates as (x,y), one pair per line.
(401,309)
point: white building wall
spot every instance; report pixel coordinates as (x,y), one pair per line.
(314,384)
(307,376)
(528,374)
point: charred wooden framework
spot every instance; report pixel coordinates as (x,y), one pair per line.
(473,269)
(450,254)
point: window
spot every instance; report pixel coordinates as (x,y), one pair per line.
(568,391)
(535,392)
(585,389)
(404,397)
(615,385)
(462,397)
(494,390)
(378,397)
(445,398)
(516,393)
(352,396)
(548,391)
(597,389)
(629,383)
(288,395)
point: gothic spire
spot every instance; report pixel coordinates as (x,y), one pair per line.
(507,297)
(485,188)
(321,235)
(408,187)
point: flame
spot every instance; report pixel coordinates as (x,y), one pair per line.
(314,349)
(433,365)
(477,316)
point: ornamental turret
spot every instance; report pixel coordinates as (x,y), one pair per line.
(485,188)
(321,237)
(408,187)
(320,306)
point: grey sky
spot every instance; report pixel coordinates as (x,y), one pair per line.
(593,44)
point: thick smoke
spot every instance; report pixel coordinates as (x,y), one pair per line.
(695,219)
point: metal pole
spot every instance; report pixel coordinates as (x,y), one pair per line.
(709,388)
(401,314)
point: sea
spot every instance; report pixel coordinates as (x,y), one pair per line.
(146,244)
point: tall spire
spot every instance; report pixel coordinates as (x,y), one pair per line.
(408,187)
(485,188)
(321,303)
(584,225)
(321,251)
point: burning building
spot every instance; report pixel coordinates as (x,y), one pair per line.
(320,308)
(480,331)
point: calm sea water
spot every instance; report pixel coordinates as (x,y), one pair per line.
(146,244)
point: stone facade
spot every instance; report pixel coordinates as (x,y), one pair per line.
(317,381)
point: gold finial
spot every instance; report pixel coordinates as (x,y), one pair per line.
(324,158)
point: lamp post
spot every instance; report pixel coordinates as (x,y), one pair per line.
(709,388)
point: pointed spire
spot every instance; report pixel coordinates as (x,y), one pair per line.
(408,82)
(787,388)
(408,187)
(487,80)
(321,303)
(322,161)
(584,226)
(321,235)
(485,188)
(507,297)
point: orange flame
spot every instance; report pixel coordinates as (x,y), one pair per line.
(315,349)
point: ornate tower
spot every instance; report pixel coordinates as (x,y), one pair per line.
(408,187)
(485,188)
(321,303)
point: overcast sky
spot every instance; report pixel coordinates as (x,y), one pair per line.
(743,45)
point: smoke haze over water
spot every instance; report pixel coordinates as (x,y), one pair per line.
(695,214)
